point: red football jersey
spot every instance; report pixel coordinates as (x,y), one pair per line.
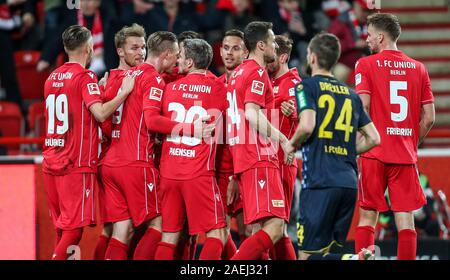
(132,144)
(249,82)
(111,90)
(196,95)
(71,142)
(224,158)
(284,90)
(398,87)
(175,76)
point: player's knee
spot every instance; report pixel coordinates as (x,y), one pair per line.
(367,217)
(404,220)
(156,223)
(221,234)
(274,228)
(170,237)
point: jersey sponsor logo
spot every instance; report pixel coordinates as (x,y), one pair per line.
(292,92)
(257,87)
(150,186)
(261,183)
(358,79)
(260,72)
(93,89)
(155,94)
(277,203)
(158,79)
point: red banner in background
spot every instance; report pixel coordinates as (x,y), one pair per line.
(17,212)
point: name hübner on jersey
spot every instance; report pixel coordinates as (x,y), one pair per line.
(179,152)
(399,131)
(49,142)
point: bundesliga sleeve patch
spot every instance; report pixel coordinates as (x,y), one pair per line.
(358,79)
(258,87)
(301,96)
(292,92)
(155,94)
(93,89)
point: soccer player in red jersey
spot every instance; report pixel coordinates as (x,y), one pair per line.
(254,142)
(396,92)
(188,184)
(73,107)
(283,83)
(130,46)
(233,52)
(128,167)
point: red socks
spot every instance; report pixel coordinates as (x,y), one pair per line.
(407,244)
(116,250)
(254,246)
(364,238)
(229,249)
(100,248)
(212,249)
(146,248)
(69,237)
(284,250)
(165,251)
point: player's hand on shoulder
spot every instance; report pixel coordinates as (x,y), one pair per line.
(103,81)
(288,108)
(127,84)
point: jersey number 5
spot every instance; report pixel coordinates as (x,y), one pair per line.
(60,107)
(343,122)
(394,87)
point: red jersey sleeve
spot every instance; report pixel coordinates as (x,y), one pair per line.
(90,90)
(363,82)
(258,85)
(427,93)
(152,92)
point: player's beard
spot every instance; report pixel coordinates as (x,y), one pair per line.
(269,58)
(273,68)
(89,59)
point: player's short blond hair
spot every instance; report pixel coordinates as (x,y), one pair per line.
(135,30)
(385,22)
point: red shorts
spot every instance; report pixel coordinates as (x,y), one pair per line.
(222,181)
(402,181)
(262,194)
(71,199)
(129,192)
(199,200)
(288,177)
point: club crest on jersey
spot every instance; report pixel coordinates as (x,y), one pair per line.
(93,89)
(258,87)
(155,94)
(260,72)
(275,89)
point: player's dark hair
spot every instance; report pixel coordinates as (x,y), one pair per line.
(327,48)
(255,32)
(234,33)
(134,30)
(189,34)
(75,36)
(159,42)
(284,45)
(199,51)
(385,22)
